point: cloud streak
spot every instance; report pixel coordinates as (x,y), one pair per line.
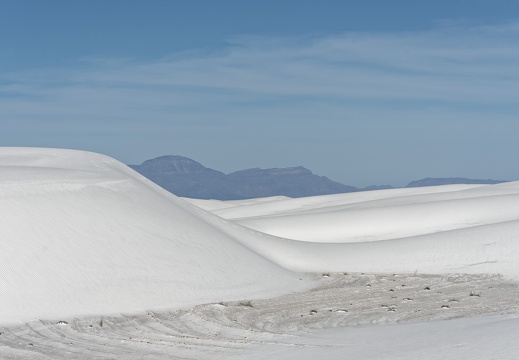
(466,75)
(442,66)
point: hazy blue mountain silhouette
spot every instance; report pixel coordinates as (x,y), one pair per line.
(450,181)
(377,187)
(187,178)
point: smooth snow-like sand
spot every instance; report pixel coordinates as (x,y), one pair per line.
(348,316)
(84,240)
(442,229)
(83,234)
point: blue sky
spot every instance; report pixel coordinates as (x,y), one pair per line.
(364,92)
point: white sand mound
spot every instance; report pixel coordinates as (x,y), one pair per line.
(460,228)
(81,233)
(343,218)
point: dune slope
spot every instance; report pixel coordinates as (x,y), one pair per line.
(81,233)
(444,229)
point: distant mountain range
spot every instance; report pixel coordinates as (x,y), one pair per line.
(187,178)
(449,181)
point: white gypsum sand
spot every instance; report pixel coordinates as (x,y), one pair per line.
(98,262)
(349,316)
(443,229)
(83,234)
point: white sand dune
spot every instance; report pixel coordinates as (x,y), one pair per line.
(82,237)
(81,233)
(341,319)
(460,228)
(379,215)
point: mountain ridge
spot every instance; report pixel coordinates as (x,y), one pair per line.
(186,177)
(450,181)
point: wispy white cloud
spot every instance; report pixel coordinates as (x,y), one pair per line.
(448,74)
(446,65)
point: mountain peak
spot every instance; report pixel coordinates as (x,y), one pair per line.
(188,178)
(171,164)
